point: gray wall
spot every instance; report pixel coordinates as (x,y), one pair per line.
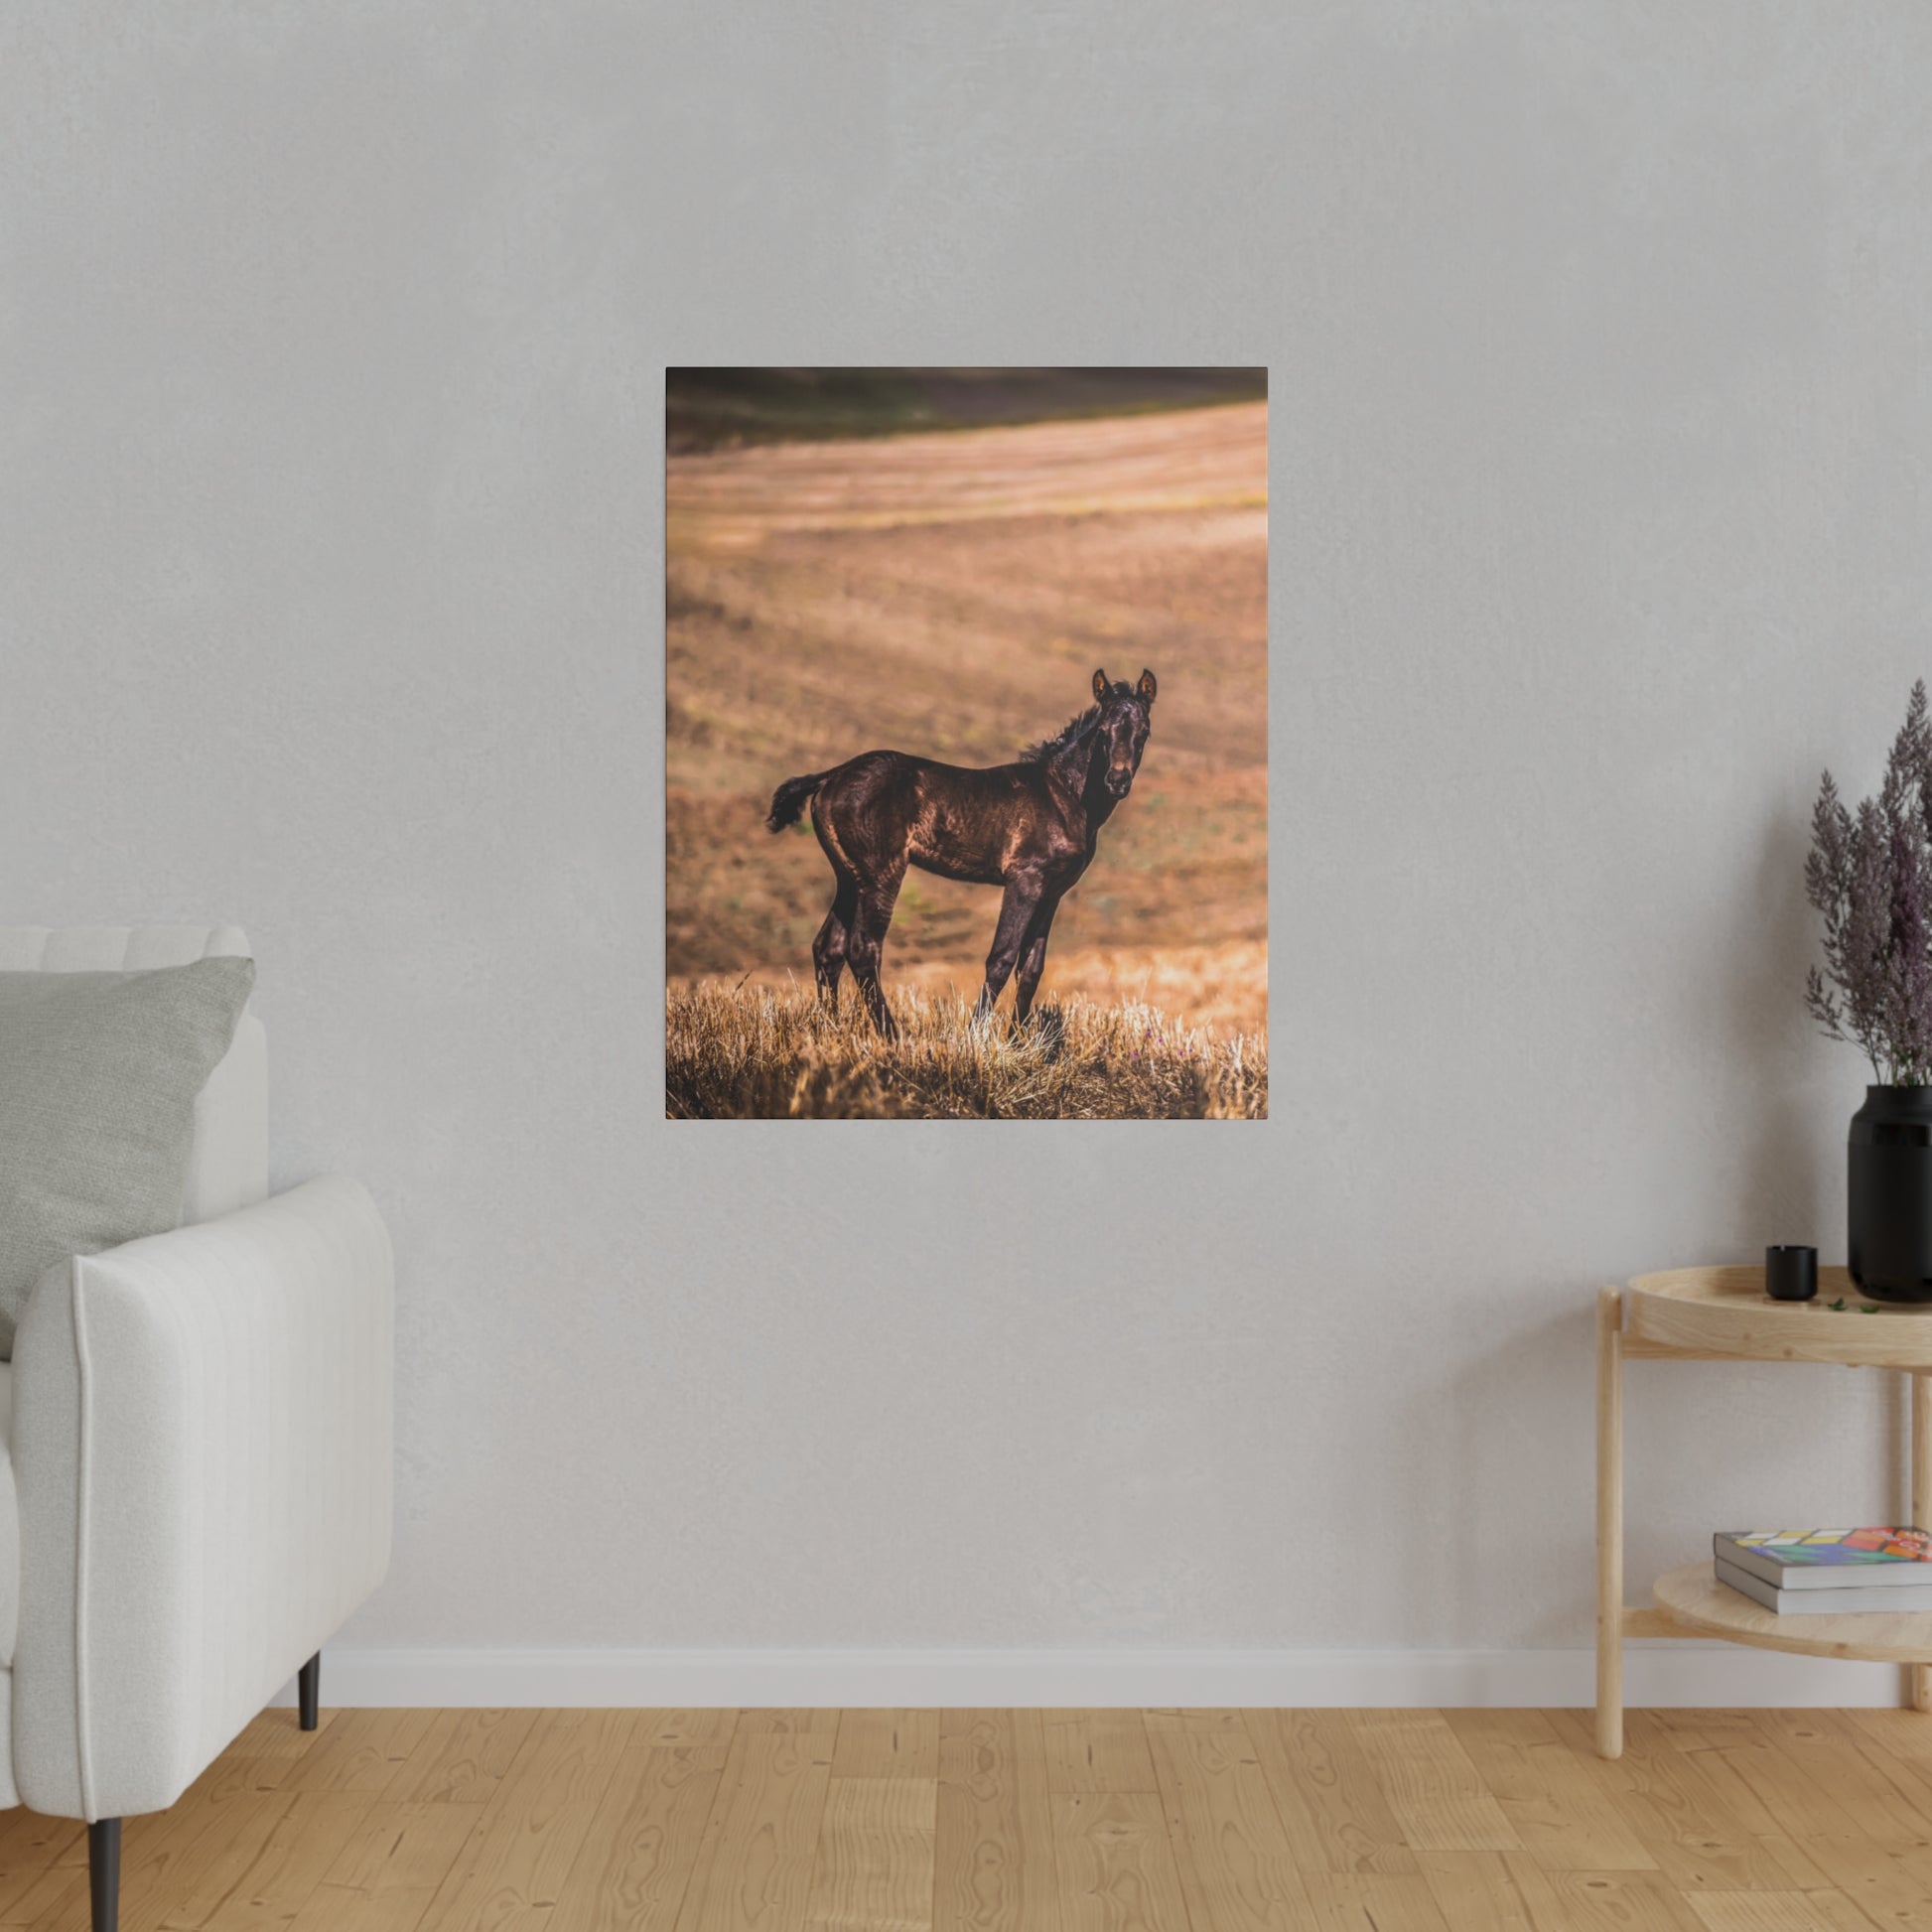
(332,350)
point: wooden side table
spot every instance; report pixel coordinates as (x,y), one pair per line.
(1705,1315)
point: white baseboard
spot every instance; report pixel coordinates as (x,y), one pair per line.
(1655,1674)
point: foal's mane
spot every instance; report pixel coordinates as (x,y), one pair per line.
(1069,732)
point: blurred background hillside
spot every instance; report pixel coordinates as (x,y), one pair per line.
(708,409)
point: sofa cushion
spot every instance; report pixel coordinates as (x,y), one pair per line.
(228,1168)
(99,1077)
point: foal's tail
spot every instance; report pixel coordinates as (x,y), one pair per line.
(788,802)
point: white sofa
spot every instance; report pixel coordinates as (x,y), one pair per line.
(198,1453)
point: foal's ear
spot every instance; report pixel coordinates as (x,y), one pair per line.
(1146,689)
(1100,687)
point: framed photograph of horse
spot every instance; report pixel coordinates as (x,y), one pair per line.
(966,744)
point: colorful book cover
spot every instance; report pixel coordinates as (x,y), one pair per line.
(1822,1549)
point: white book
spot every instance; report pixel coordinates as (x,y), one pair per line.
(1897,1599)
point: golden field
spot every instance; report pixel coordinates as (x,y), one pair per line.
(950,595)
(741,1052)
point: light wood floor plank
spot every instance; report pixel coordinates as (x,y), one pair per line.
(1436,1795)
(1901,1750)
(1708,1770)
(278,1733)
(1891,1884)
(361,1750)
(512,1866)
(49,1856)
(193,1889)
(1331,1807)
(1116,1867)
(757,1865)
(801,1721)
(994,1866)
(1897,1732)
(1820,1745)
(1617,1901)
(874,1869)
(1373,1901)
(1499,1891)
(191,1855)
(1703,1730)
(645,1843)
(30,1846)
(1776,1796)
(1552,1793)
(385,1876)
(62,1897)
(886,1744)
(290,1863)
(1779,1911)
(1238,1870)
(462,1758)
(1097,1751)
(686,1726)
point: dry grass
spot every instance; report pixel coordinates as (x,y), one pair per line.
(1220,989)
(761,1053)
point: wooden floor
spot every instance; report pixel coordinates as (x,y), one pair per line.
(1028,1821)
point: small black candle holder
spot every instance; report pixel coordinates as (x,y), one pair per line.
(1791,1274)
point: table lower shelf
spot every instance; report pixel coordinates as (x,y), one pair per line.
(1695,1603)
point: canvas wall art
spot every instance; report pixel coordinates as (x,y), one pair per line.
(966,757)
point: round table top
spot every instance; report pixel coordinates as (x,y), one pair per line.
(1725,1312)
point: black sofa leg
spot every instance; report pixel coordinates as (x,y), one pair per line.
(307,1687)
(104,1873)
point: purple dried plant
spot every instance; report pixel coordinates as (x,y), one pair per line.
(1908,974)
(1870,876)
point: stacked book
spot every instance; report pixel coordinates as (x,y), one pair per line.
(1828,1573)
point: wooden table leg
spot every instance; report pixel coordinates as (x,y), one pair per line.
(1921,1674)
(1610,1522)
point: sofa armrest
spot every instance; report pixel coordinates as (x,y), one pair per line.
(203,1449)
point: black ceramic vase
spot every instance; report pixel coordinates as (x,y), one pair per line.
(1890,1194)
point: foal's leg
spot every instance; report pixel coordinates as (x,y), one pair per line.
(828,949)
(1032,960)
(866,943)
(1016,911)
